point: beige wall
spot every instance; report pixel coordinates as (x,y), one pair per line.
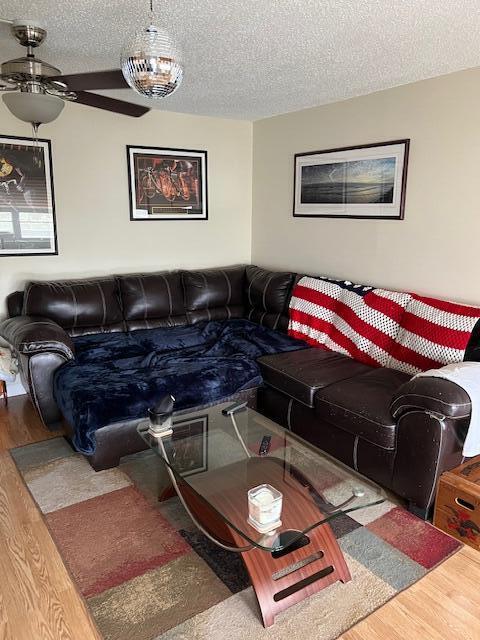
(435,250)
(95,235)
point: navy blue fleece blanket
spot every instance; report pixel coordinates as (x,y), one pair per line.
(118,376)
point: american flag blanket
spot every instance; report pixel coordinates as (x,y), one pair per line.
(379,327)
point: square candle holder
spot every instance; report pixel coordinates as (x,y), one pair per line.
(264,508)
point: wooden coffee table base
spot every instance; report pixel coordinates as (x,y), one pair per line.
(281,582)
(280,579)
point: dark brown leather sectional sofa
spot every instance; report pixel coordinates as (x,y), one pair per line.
(402,433)
(399,432)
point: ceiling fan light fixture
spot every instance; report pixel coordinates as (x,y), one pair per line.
(151,63)
(36,108)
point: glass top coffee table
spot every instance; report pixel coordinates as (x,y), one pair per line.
(214,461)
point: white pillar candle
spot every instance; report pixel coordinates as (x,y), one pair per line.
(264,507)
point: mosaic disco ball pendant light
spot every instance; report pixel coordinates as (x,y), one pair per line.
(151,63)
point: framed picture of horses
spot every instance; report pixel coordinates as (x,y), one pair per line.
(167,184)
(27,203)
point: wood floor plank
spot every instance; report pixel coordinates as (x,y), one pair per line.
(444,605)
(38,599)
(20,424)
(37,596)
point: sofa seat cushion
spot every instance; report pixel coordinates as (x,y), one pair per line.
(115,378)
(300,374)
(361,405)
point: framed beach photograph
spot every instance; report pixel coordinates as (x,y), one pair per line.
(366,181)
(27,203)
(167,184)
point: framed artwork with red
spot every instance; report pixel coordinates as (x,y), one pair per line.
(167,184)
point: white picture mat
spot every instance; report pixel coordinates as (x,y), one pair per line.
(373,210)
(142,214)
(43,146)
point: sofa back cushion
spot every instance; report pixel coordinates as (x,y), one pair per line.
(267,294)
(214,294)
(151,300)
(79,306)
(432,333)
(357,320)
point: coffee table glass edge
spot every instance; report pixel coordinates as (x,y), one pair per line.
(217,457)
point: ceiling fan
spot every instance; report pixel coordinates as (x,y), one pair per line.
(35,91)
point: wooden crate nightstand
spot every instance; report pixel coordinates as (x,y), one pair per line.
(457,508)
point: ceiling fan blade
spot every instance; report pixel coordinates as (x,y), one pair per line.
(111,79)
(111,104)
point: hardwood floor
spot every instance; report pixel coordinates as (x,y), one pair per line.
(20,424)
(444,605)
(38,600)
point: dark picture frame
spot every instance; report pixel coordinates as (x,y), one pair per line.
(167,183)
(28,225)
(190,444)
(364,181)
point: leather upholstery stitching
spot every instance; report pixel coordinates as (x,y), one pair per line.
(140,285)
(229,295)
(209,316)
(25,300)
(170,301)
(437,464)
(419,395)
(61,351)
(312,386)
(289,414)
(144,295)
(355,413)
(31,387)
(435,478)
(417,407)
(249,291)
(33,323)
(264,297)
(285,393)
(75,310)
(104,305)
(64,285)
(354,453)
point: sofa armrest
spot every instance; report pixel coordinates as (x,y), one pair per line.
(432,416)
(29,335)
(434,395)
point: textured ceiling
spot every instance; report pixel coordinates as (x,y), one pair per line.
(251,59)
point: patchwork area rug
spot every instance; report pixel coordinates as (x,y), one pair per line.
(148,574)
